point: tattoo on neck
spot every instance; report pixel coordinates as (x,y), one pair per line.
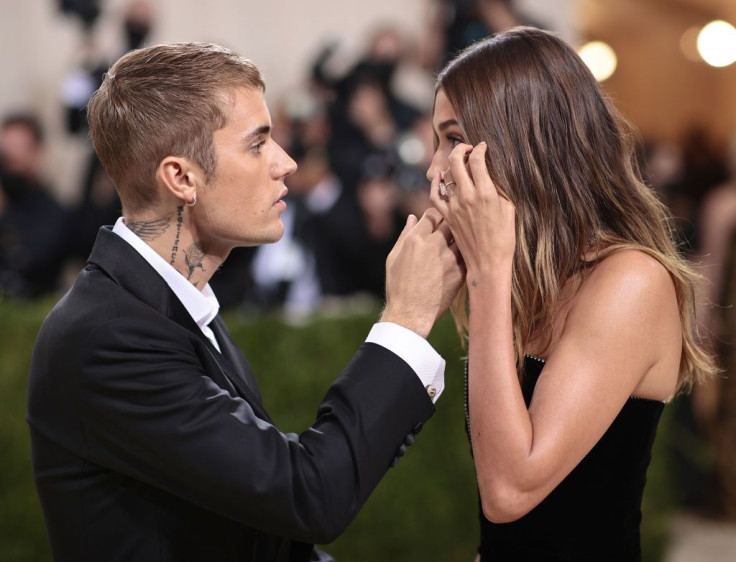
(193,258)
(150,230)
(179,222)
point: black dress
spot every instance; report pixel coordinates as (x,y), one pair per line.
(594,513)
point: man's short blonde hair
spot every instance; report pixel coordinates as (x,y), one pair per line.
(165,100)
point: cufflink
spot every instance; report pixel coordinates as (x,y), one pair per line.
(431,390)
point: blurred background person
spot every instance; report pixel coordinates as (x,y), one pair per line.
(365,112)
(98,203)
(33,226)
(717,404)
(456,24)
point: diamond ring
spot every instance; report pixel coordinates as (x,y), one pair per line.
(446,188)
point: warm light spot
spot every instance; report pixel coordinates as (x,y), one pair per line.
(600,58)
(689,44)
(717,43)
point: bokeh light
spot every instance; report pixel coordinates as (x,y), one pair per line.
(600,58)
(717,43)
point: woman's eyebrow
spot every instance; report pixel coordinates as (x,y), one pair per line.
(445,124)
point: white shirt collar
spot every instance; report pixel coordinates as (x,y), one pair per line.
(202,305)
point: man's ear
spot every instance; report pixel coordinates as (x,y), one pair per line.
(181,177)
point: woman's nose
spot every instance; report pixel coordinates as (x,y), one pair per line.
(433,166)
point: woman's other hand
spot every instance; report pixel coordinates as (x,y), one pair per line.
(482,220)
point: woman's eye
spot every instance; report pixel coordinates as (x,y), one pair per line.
(454,141)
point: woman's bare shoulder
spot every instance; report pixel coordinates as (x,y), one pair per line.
(627,285)
(627,311)
(630,270)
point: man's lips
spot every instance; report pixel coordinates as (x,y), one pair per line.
(280,201)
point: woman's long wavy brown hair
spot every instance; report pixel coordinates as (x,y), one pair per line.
(563,155)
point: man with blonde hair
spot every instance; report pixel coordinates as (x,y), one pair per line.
(150,440)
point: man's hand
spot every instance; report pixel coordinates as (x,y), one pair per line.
(424,272)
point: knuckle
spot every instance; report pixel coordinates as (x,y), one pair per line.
(477,156)
(486,195)
(465,197)
(413,241)
(458,153)
(433,213)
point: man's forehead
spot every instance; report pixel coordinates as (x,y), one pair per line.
(247,107)
(245,96)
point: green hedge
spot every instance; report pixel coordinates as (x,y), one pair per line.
(424,510)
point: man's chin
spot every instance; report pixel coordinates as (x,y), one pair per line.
(268,236)
(275,236)
(279,234)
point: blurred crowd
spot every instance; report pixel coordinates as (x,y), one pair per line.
(363,141)
(362,138)
(697,180)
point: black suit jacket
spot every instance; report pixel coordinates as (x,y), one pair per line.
(149,444)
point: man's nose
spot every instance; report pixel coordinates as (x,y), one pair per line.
(286,165)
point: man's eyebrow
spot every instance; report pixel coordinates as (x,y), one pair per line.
(445,124)
(258,131)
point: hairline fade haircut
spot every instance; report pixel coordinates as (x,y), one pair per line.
(565,157)
(159,101)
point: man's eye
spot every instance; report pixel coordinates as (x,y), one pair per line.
(256,148)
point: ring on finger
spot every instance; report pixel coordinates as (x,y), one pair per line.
(446,189)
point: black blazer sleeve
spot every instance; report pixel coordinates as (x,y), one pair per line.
(149,410)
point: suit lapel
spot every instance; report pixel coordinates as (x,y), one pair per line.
(129,269)
(236,368)
(233,354)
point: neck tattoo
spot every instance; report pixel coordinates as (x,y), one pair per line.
(150,230)
(179,223)
(193,258)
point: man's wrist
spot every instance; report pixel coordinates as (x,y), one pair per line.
(417,324)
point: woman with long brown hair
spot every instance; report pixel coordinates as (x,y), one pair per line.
(581,317)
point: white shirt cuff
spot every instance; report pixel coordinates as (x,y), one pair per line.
(416,351)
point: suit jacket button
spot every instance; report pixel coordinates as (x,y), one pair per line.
(431,390)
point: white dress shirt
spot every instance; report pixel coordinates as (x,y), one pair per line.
(203,306)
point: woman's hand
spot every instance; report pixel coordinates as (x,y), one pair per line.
(482,220)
